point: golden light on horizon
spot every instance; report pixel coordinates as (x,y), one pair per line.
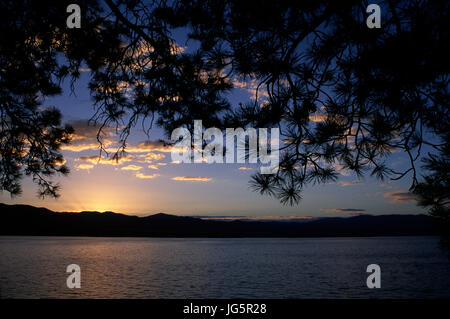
(99,198)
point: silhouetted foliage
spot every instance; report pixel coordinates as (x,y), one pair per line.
(434,190)
(344,96)
(37,52)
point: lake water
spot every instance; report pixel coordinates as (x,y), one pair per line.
(411,267)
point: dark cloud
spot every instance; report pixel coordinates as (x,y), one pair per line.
(345,210)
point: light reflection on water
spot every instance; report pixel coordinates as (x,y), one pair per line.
(411,267)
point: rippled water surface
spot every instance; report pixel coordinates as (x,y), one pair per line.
(411,267)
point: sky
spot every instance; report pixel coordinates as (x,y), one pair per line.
(147,181)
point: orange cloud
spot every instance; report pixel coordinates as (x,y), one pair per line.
(61,162)
(157,165)
(106,161)
(399,196)
(144,176)
(345,184)
(150,157)
(131,168)
(85,136)
(150,146)
(192,178)
(84,166)
(317,117)
(251,87)
(80,147)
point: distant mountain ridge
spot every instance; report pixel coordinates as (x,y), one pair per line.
(30,220)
